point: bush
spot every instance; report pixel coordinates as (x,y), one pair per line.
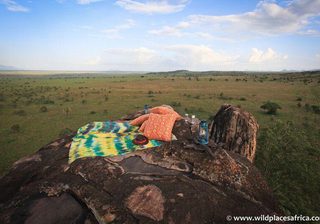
(93,112)
(15,128)
(20,113)
(43,109)
(197,97)
(307,107)
(2,98)
(175,104)
(289,159)
(223,97)
(64,132)
(270,107)
(315,109)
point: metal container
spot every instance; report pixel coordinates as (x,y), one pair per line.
(203,135)
(146,109)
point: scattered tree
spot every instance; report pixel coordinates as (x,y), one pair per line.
(270,107)
(43,109)
(15,128)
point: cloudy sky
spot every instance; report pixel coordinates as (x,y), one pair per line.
(149,35)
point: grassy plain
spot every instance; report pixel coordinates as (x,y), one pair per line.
(286,140)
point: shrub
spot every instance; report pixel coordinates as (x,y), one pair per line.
(270,107)
(175,104)
(197,97)
(15,128)
(288,157)
(2,98)
(242,99)
(64,132)
(211,117)
(20,113)
(43,109)
(307,107)
(223,97)
(315,109)
(93,112)
(67,111)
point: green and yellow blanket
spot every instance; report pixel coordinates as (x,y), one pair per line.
(109,138)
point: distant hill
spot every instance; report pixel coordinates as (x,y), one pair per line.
(6,68)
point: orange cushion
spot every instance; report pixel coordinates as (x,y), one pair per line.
(143,126)
(139,120)
(161,110)
(159,127)
(164,110)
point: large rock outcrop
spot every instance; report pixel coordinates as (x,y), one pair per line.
(178,182)
(236,130)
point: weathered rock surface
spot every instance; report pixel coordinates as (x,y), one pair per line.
(236,129)
(178,182)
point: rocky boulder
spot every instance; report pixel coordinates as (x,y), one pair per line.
(178,182)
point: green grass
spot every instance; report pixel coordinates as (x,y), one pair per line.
(110,97)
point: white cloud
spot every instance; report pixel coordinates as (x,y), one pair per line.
(114,33)
(311,32)
(204,35)
(14,6)
(81,2)
(267,18)
(259,56)
(171,30)
(172,57)
(152,6)
(133,59)
(93,61)
(86,2)
(178,31)
(167,30)
(200,57)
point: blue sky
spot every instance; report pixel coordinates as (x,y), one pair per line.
(140,35)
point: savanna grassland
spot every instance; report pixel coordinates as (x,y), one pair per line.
(35,110)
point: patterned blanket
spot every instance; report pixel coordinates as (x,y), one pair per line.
(107,138)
